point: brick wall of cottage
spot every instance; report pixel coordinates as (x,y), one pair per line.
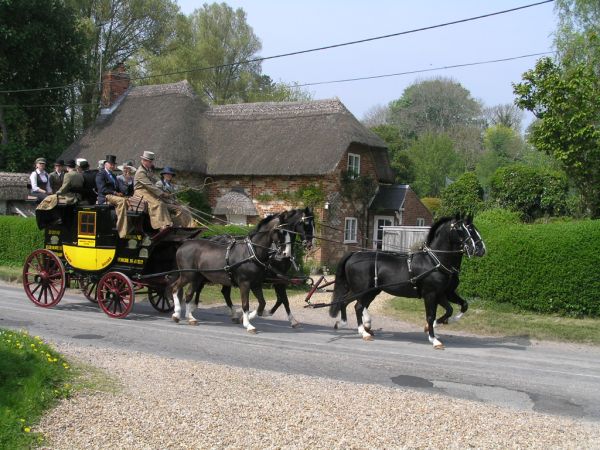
(267,194)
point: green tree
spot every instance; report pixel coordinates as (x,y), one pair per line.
(434,160)
(440,105)
(118,31)
(41,44)
(577,37)
(565,100)
(533,192)
(508,115)
(464,196)
(399,160)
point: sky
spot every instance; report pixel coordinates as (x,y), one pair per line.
(285,26)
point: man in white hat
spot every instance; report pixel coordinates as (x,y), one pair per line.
(163,213)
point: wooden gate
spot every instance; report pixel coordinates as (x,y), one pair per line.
(403,238)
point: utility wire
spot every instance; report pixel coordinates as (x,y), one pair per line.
(411,72)
(300,52)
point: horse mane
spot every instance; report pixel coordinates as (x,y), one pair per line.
(435,227)
(261,223)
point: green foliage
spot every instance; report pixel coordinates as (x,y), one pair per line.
(497,217)
(565,101)
(503,141)
(399,160)
(549,268)
(311,195)
(433,204)
(464,196)
(433,159)
(194,198)
(41,44)
(358,190)
(18,238)
(32,378)
(532,192)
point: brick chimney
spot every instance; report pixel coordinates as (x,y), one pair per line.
(114,84)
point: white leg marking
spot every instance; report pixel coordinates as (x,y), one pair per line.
(437,344)
(366,318)
(189,310)
(455,318)
(435,324)
(177,313)
(364,334)
(247,325)
(252,315)
(293,322)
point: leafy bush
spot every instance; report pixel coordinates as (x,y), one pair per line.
(18,238)
(464,196)
(550,268)
(534,192)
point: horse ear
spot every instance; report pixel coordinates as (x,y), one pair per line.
(307,211)
(470,218)
(457,216)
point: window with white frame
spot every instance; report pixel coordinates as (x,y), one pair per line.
(350,229)
(420,222)
(353,165)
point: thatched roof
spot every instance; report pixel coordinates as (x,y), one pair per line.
(285,138)
(390,197)
(161,118)
(235,202)
(13,186)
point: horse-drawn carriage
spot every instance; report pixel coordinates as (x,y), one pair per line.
(82,247)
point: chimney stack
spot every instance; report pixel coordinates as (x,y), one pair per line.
(114,84)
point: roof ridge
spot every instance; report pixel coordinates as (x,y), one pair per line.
(321,106)
(180,87)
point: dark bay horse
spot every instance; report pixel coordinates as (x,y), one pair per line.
(298,223)
(240,262)
(431,273)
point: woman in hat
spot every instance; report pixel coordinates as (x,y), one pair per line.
(125,180)
(166,180)
(40,180)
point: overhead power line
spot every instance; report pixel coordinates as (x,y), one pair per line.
(300,52)
(346,80)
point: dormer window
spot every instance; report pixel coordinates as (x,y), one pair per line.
(353,165)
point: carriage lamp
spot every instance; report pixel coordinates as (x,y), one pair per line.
(132,243)
(144,253)
(54,240)
(146,241)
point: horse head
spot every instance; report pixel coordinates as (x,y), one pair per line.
(452,235)
(300,222)
(269,233)
(478,243)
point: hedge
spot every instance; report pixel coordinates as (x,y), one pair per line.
(19,236)
(549,268)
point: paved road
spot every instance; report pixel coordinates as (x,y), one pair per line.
(514,372)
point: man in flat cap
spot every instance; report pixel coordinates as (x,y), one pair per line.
(58,175)
(40,180)
(108,192)
(161,208)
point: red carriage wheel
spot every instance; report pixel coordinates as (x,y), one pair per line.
(89,289)
(115,294)
(44,278)
(159,300)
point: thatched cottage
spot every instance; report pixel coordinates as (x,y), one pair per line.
(260,158)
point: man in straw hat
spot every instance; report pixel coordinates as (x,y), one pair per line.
(106,185)
(163,212)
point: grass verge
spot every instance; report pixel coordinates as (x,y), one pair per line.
(11,274)
(32,377)
(487,318)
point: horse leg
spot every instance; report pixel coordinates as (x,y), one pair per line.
(457,299)
(226,291)
(282,299)
(431,302)
(359,308)
(194,294)
(258,293)
(175,290)
(245,293)
(343,322)
(366,317)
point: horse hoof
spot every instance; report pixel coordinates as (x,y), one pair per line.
(175,319)
(192,322)
(235,320)
(368,338)
(335,326)
(439,346)
(251,330)
(295,324)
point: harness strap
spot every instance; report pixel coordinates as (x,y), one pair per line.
(376,269)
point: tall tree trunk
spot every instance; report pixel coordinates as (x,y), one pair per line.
(4,140)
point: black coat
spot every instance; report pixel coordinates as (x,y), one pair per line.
(89,193)
(105,185)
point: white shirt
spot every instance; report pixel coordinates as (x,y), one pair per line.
(44,177)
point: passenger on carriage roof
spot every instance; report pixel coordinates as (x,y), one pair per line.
(161,205)
(125,180)
(40,181)
(166,180)
(88,194)
(58,175)
(106,184)
(72,186)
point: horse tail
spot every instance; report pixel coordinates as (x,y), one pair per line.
(341,287)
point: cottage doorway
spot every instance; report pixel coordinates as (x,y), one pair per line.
(380,222)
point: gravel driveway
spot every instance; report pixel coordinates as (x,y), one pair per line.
(166,403)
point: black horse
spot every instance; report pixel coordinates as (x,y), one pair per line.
(298,223)
(431,273)
(240,262)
